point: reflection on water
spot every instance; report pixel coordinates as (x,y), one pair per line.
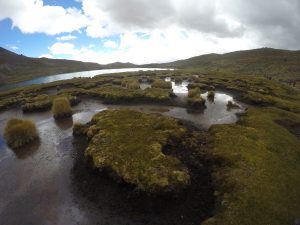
(145,85)
(65,123)
(28,150)
(41,179)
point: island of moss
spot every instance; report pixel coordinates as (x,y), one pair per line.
(18,132)
(195,101)
(61,108)
(130,144)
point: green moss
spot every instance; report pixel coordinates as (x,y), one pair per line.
(38,103)
(130,144)
(61,108)
(232,105)
(79,129)
(258,169)
(19,132)
(211,95)
(161,84)
(195,100)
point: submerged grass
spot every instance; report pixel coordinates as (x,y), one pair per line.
(19,132)
(130,143)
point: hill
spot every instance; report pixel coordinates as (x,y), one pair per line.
(282,64)
(14,67)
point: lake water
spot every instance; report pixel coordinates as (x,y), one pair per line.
(65,76)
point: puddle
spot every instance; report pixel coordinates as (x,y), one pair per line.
(38,187)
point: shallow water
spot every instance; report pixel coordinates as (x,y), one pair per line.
(39,187)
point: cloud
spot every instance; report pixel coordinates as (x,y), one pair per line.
(14,47)
(66,38)
(112,16)
(159,31)
(157,46)
(110,44)
(49,56)
(32,16)
(60,48)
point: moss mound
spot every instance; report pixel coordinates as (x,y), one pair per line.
(38,103)
(161,84)
(19,132)
(130,143)
(61,108)
(195,101)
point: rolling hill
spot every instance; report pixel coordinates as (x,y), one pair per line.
(14,67)
(282,64)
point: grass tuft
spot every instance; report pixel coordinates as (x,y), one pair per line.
(61,108)
(19,132)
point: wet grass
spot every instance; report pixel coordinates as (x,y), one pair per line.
(18,133)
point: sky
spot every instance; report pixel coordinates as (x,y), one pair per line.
(146,31)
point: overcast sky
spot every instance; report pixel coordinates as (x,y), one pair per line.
(144,31)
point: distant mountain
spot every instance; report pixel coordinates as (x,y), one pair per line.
(283,64)
(14,67)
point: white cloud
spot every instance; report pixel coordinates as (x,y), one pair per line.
(49,56)
(110,44)
(14,47)
(172,29)
(66,38)
(60,48)
(32,16)
(157,46)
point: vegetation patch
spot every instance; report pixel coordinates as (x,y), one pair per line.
(18,133)
(130,144)
(158,83)
(258,168)
(38,103)
(195,101)
(61,108)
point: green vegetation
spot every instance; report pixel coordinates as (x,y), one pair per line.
(61,108)
(255,162)
(195,100)
(37,103)
(43,102)
(271,63)
(130,143)
(232,105)
(258,169)
(19,132)
(161,84)
(211,95)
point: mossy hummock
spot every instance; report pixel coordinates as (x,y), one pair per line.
(130,144)
(61,108)
(195,100)
(18,133)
